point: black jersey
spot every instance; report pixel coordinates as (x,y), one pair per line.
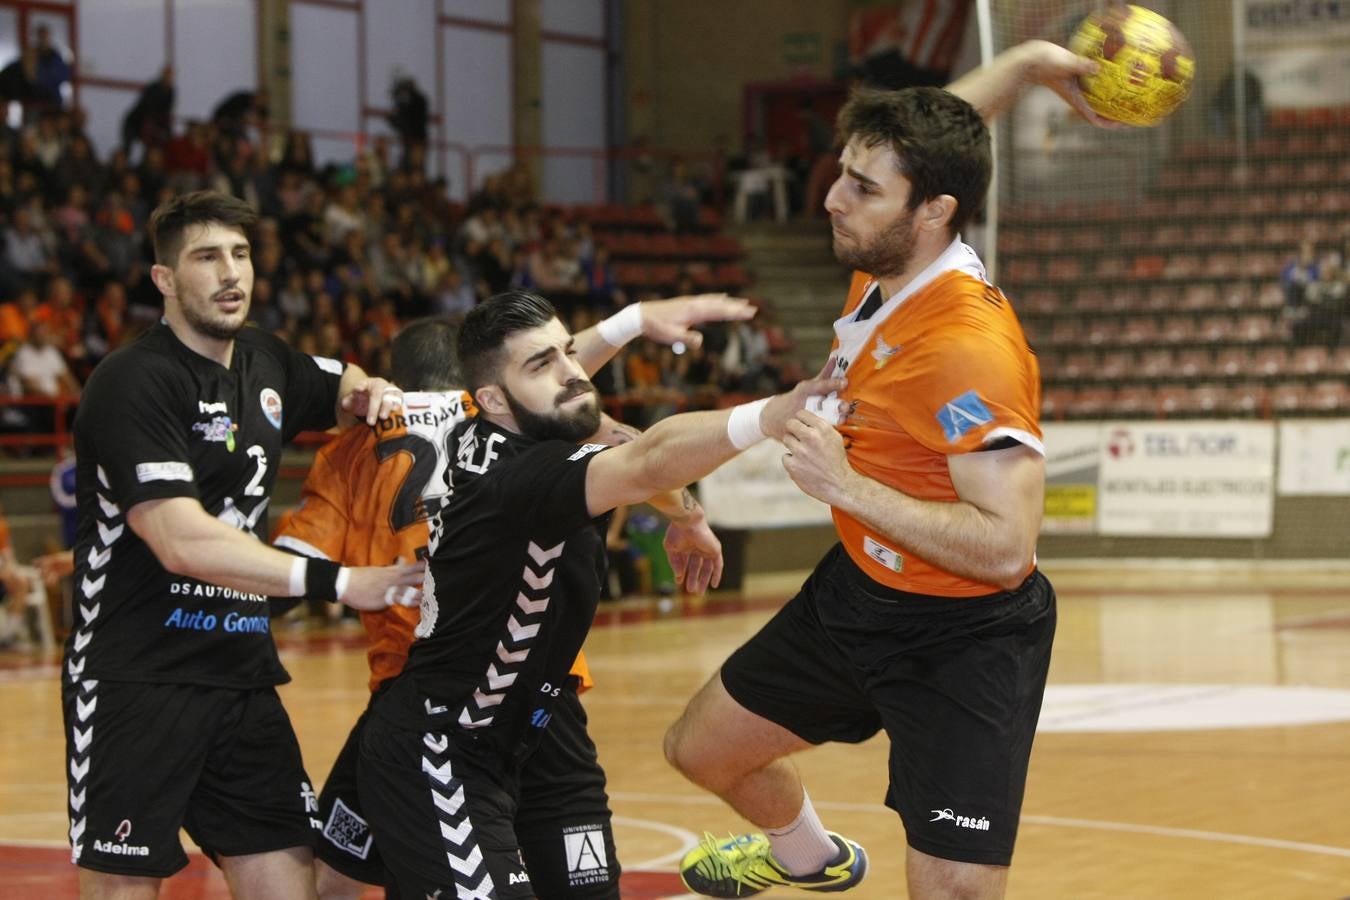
(513,578)
(158,420)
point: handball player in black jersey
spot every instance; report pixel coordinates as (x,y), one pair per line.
(514,572)
(171,714)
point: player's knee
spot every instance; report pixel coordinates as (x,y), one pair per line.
(683,753)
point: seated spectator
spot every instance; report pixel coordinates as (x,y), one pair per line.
(187,158)
(30,252)
(452,296)
(1298,273)
(601,285)
(678,198)
(343,215)
(1325,302)
(17,315)
(39,369)
(106,325)
(63,313)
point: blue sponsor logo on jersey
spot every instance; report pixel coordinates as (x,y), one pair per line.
(961,414)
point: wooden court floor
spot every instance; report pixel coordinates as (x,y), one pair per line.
(1195,741)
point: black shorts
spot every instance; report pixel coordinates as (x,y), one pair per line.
(450,818)
(346,843)
(144,760)
(955,682)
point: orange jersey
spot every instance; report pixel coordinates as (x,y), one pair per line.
(366,501)
(941,368)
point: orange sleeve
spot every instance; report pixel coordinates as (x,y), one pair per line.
(968,387)
(320,522)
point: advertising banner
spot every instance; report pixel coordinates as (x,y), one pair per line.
(753,491)
(1072,466)
(1315,457)
(1300,50)
(1187,479)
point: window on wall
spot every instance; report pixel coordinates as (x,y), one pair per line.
(574,76)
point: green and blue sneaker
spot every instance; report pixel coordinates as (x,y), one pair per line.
(743,865)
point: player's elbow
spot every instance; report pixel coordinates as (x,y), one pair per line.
(1012,568)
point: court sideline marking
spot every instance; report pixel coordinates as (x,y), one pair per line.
(1053,821)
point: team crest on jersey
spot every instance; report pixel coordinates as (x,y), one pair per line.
(270,401)
(883,351)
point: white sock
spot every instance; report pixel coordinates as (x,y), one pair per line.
(802,847)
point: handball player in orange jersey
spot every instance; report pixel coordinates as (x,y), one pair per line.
(929,618)
(368,496)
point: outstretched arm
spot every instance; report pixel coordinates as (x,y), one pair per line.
(663,321)
(682,449)
(993,89)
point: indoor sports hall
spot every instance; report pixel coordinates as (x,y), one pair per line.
(1185,287)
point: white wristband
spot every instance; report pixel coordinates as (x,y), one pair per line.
(743,427)
(344,575)
(621,327)
(297,585)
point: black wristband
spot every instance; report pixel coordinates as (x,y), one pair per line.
(321,579)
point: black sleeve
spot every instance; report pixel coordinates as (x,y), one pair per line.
(310,401)
(133,420)
(546,488)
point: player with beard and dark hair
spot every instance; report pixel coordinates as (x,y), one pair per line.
(368,500)
(516,561)
(169,683)
(929,618)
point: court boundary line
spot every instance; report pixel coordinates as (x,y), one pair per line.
(1219,837)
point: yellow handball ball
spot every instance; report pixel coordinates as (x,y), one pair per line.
(1146,64)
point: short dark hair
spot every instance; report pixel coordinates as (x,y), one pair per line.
(172,218)
(489,324)
(424,355)
(941,142)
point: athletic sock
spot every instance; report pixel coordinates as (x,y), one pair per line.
(802,847)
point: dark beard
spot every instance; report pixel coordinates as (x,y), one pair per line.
(887,255)
(219,331)
(558,426)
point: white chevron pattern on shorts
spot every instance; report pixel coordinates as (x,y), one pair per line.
(462,853)
(530,607)
(81,743)
(538,582)
(542,556)
(483,890)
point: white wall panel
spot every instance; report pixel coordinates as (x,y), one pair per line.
(495,11)
(476,66)
(581,17)
(122,40)
(215,52)
(400,41)
(325,92)
(105,108)
(573,116)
